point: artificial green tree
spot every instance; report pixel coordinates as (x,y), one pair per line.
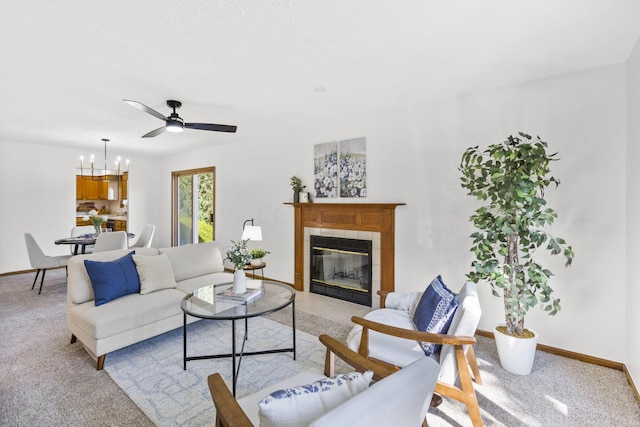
(510,180)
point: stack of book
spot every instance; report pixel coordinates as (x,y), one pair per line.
(247,296)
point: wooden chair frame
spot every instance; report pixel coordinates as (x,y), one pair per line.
(465,362)
(230,414)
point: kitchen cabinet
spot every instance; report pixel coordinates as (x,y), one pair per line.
(95,189)
(123,185)
(118,224)
(79,187)
(88,188)
(103,190)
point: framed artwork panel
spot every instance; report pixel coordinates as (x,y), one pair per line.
(325,169)
(353,167)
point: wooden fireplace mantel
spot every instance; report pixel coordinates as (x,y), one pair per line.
(376,217)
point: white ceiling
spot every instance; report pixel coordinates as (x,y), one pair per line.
(67,65)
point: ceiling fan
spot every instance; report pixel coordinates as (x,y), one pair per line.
(173,122)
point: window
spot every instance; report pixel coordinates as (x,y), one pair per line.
(193,206)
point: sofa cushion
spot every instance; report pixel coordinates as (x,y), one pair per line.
(390,349)
(113,279)
(155,273)
(79,289)
(126,314)
(300,405)
(194,260)
(435,312)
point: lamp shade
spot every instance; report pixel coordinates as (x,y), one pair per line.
(252,232)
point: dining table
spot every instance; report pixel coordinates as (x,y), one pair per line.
(80,243)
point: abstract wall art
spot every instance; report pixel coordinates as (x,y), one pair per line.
(353,167)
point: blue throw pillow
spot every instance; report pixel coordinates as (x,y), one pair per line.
(435,311)
(113,279)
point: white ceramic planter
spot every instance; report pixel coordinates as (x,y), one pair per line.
(516,354)
(256,262)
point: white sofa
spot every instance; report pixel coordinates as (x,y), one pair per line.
(136,317)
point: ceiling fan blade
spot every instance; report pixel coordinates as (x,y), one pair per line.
(208,126)
(141,106)
(155,132)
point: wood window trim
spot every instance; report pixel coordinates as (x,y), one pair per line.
(174,195)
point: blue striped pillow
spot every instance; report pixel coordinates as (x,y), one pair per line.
(435,311)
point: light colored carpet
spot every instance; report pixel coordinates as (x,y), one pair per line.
(559,392)
(151,372)
(46,381)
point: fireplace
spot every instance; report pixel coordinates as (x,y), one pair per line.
(341,268)
(364,221)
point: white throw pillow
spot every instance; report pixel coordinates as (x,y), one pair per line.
(155,273)
(300,405)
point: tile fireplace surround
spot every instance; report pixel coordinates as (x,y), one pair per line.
(370,221)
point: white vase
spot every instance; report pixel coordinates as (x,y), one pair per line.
(516,354)
(239,282)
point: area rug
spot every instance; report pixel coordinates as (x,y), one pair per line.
(151,372)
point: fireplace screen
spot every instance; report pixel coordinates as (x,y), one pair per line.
(341,268)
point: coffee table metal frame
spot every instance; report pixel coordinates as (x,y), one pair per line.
(240,311)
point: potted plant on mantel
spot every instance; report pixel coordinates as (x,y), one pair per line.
(297,187)
(510,179)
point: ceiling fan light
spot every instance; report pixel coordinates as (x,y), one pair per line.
(175,126)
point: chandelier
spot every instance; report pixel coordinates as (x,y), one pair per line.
(104,174)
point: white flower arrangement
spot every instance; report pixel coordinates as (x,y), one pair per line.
(96,220)
(239,254)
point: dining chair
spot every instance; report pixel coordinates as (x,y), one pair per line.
(80,231)
(40,261)
(144,241)
(111,241)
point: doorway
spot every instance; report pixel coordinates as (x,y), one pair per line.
(193,206)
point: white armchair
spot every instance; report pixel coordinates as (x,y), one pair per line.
(396,400)
(389,335)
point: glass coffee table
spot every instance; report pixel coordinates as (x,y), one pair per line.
(205,303)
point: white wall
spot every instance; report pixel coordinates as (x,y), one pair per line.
(37,189)
(579,115)
(413,155)
(144,188)
(38,193)
(632,296)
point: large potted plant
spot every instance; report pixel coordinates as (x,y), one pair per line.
(510,180)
